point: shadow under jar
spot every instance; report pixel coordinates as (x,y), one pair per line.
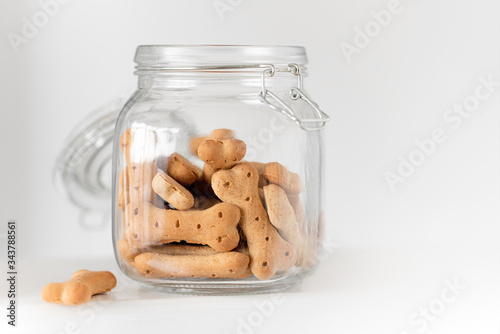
(217,164)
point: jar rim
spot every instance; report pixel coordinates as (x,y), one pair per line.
(177,56)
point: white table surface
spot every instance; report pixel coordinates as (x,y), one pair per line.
(353,291)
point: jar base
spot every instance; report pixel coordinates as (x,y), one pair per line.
(226,287)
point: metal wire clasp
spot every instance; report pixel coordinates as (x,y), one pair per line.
(308,124)
(268,71)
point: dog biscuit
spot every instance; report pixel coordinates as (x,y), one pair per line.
(222,265)
(281,214)
(222,153)
(276,173)
(148,225)
(80,288)
(172,192)
(217,134)
(180,169)
(269,253)
(129,253)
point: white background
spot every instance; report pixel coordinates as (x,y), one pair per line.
(396,248)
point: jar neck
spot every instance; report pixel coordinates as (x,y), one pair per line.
(249,82)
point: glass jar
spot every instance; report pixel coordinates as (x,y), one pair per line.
(217,170)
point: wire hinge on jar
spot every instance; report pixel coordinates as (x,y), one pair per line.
(308,124)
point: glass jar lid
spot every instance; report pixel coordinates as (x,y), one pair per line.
(180,56)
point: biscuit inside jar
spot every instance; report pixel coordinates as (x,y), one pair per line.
(228,219)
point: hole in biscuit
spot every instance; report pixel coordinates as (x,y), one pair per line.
(148,272)
(264,264)
(227,184)
(136,211)
(136,188)
(267,238)
(219,142)
(177,224)
(192,275)
(213,275)
(136,236)
(220,215)
(134,167)
(249,174)
(175,159)
(219,239)
(235,159)
(248,199)
(156,224)
(231,270)
(257,219)
(198,226)
(287,253)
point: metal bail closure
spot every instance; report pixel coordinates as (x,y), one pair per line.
(307,124)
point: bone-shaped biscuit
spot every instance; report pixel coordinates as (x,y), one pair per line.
(129,253)
(180,169)
(220,150)
(148,225)
(172,192)
(269,253)
(222,265)
(222,153)
(80,288)
(217,134)
(281,214)
(276,173)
